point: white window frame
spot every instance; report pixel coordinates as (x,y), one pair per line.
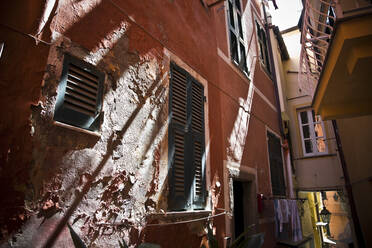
(233,29)
(312,137)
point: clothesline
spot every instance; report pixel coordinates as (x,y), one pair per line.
(168,223)
(283,197)
(188,221)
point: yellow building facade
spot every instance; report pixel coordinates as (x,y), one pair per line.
(336,61)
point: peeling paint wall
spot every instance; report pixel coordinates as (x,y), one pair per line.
(125,166)
(130,152)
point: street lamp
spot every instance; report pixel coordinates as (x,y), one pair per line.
(325,215)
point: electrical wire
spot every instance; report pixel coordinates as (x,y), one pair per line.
(168,223)
(188,221)
(37,40)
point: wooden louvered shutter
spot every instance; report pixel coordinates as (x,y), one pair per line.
(80,91)
(276,165)
(197,127)
(177,139)
(186,142)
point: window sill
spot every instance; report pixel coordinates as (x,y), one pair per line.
(233,66)
(241,71)
(77,129)
(317,156)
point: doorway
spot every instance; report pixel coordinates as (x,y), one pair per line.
(238,208)
(244,210)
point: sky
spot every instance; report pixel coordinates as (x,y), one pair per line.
(288,13)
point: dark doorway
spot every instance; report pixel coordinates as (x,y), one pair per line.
(238,188)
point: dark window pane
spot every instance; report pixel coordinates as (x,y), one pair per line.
(231,13)
(308,146)
(304,118)
(306,131)
(267,64)
(313,115)
(258,31)
(240,26)
(243,61)
(261,51)
(237,3)
(265,50)
(234,47)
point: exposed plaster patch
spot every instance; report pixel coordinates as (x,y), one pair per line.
(129,186)
(133,179)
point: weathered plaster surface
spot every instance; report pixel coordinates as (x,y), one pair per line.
(133,133)
(122,173)
(130,153)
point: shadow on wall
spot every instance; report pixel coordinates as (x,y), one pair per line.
(112,192)
(66,165)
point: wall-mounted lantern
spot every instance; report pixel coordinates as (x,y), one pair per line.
(325,215)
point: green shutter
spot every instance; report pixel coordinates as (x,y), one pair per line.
(197,126)
(79,99)
(177,139)
(276,165)
(186,142)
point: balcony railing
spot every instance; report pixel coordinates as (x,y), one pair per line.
(318,21)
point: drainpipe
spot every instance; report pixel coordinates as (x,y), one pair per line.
(349,190)
(273,72)
(287,159)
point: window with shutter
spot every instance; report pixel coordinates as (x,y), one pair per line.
(236,35)
(312,133)
(276,165)
(262,44)
(186,142)
(79,99)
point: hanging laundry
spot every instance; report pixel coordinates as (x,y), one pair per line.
(295,221)
(286,212)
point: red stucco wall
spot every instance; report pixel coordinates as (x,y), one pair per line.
(187,29)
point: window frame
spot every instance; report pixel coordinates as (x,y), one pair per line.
(263,46)
(236,27)
(312,137)
(68,116)
(191,136)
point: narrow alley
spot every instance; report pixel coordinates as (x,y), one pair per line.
(185,124)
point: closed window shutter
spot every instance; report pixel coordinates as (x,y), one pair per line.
(276,165)
(177,140)
(80,91)
(186,142)
(197,125)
